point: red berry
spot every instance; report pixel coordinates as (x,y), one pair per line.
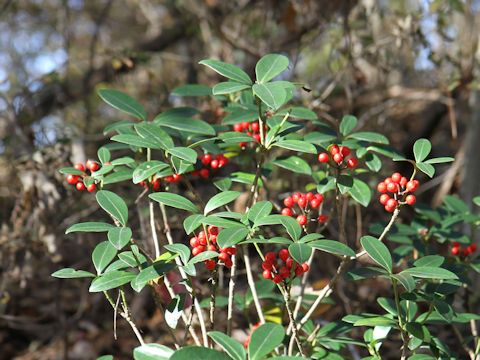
(270,257)
(213,238)
(382,187)
(80,186)
(255,127)
(283,254)
(213,230)
(277,279)
(80,166)
(72,179)
(388,180)
(197,250)
(305,267)
(389,209)
(156,185)
(315,203)
(411,199)
(396,177)
(319,197)
(287,212)
(256,137)
(92,165)
(267,265)
(352,163)
(194,242)
(456,244)
(334,149)
(176,177)
(289,262)
(204,173)
(267,274)
(302,219)
(210,264)
(211,248)
(322,218)
(231,251)
(309,196)
(392,187)
(223,256)
(222,162)
(214,164)
(455,250)
(323,157)
(345,151)
(298,271)
(338,158)
(284,272)
(228,263)
(288,202)
(472,248)
(238,128)
(206,159)
(413,185)
(302,202)
(403,181)
(384,198)
(91,187)
(296,196)
(392,203)
(243,145)
(245,125)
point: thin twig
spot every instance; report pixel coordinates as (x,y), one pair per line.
(153,228)
(286,298)
(251,283)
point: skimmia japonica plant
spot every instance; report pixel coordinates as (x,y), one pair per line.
(230,182)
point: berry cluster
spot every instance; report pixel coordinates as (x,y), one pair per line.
(458,250)
(399,187)
(306,203)
(207,241)
(273,271)
(251,129)
(210,162)
(77,180)
(155,184)
(340,156)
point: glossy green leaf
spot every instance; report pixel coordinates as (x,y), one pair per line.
(426,169)
(332,247)
(147,169)
(89,227)
(421,149)
(123,102)
(264,340)
(232,347)
(348,124)
(430,260)
(180,249)
(229,87)
(300,252)
(377,251)
(233,137)
(114,205)
(187,124)
(375,321)
(228,70)
(192,222)
(152,352)
(119,236)
(202,257)
(70,171)
(360,192)
(407,281)
(220,199)
(259,210)
(102,255)
(104,155)
(295,164)
(174,200)
(270,66)
(118,176)
(150,273)
(231,236)
(174,310)
(428,272)
(192,90)
(135,140)
(272,94)
(440,160)
(111,280)
(296,145)
(155,134)
(370,137)
(184,153)
(198,353)
(298,112)
(69,273)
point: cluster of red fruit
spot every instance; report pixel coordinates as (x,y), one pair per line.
(457,249)
(208,162)
(305,202)
(273,271)
(156,184)
(207,241)
(399,186)
(251,129)
(77,180)
(339,155)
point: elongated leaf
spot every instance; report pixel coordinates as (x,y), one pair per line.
(192,222)
(89,227)
(180,249)
(114,205)
(174,200)
(347,124)
(421,149)
(259,210)
(270,66)
(295,164)
(192,90)
(290,224)
(297,145)
(181,123)
(428,272)
(103,155)
(70,170)
(370,137)
(232,347)
(184,153)
(69,273)
(377,251)
(152,272)
(119,236)
(300,252)
(198,353)
(153,133)
(118,176)
(427,169)
(407,281)
(102,255)
(430,260)
(220,199)
(360,192)
(135,140)
(231,236)
(332,247)
(202,257)
(375,321)
(233,137)
(229,87)
(272,94)
(147,169)
(111,280)
(264,340)
(152,352)
(439,160)
(123,102)
(228,70)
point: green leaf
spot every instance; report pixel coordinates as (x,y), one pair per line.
(174,310)
(426,169)
(192,90)
(152,352)
(111,280)
(70,171)
(89,227)
(273,95)
(373,162)
(69,273)
(406,280)
(377,251)
(347,124)
(228,87)
(123,102)
(119,236)
(270,66)
(154,134)
(295,164)
(182,123)
(114,205)
(105,357)
(192,222)
(219,222)
(332,247)
(264,340)
(430,260)
(202,257)
(233,137)
(360,192)
(174,200)
(300,252)
(370,137)
(228,70)
(296,145)
(375,321)
(118,176)
(232,347)
(180,249)
(440,160)
(421,149)
(231,236)
(147,169)
(104,155)
(220,199)
(427,272)
(260,210)
(135,140)
(152,272)
(102,255)
(290,224)
(198,353)
(184,153)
